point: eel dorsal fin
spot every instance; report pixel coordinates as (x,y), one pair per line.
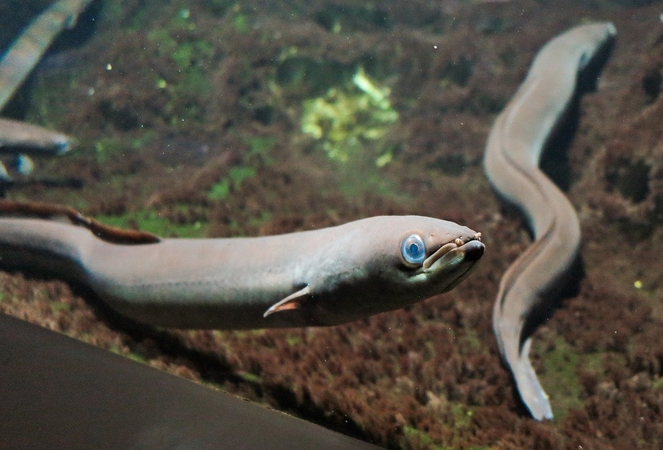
(102,231)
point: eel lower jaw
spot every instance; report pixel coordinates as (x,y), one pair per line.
(453,253)
(455,265)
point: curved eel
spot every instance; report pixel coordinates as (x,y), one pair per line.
(320,277)
(26,51)
(16,63)
(511,162)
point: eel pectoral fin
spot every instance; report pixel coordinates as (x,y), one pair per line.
(292,301)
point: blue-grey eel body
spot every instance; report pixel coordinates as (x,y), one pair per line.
(26,51)
(18,138)
(320,277)
(511,161)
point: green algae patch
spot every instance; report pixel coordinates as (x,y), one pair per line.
(422,438)
(260,146)
(249,377)
(186,87)
(129,355)
(561,380)
(82,336)
(462,416)
(109,148)
(293,340)
(462,420)
(352,18)
(138,358)
(59,306)
(115,349)
(348,118)
(657,384)
(259,153)
(113,148)
(469,342)
(360,180)
(221,190)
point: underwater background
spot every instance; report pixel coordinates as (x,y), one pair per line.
(215,118)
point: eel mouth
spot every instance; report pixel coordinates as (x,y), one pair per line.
(455,252)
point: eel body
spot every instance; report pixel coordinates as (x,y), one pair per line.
(511,161)
(16,63)
(26,51)
(24,138)
(318,277)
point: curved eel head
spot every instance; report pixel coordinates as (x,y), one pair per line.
(381,264)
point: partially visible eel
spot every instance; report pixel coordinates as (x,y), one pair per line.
(60,393)
(16,63)
(26,51)
(310,278)
(24,138)
(511,161)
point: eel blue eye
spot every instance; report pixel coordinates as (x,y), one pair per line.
(413,250)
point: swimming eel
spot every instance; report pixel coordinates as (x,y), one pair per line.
(310,278)
(511,161)
(15,65)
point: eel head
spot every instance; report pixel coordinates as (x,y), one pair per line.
(383,263)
